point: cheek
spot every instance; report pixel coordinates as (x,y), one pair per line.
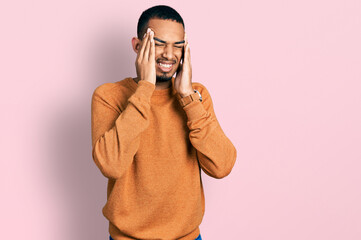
(158,51)
(178,52)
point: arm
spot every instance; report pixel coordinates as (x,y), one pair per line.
(115,136)
(215,152)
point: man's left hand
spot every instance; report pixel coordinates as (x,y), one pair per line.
(183,80)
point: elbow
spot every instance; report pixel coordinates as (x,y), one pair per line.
(110,173)
(222,173)
(105,168)
(228,166)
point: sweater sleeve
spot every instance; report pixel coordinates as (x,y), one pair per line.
(115,135)
(216,153)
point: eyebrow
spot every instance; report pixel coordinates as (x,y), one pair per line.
(159,40)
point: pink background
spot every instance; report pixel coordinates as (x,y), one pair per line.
(285,79)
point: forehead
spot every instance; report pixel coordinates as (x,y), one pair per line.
(167,30)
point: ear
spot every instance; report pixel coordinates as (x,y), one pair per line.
(136,44)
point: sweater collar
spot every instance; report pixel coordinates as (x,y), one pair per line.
(157,92)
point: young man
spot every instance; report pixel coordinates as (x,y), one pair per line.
(152,135)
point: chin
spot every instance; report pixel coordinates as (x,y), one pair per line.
(164,77)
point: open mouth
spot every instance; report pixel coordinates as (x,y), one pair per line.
(165,67)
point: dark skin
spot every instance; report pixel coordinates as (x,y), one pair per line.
(165,43)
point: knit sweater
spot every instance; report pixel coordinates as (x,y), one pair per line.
(152,150)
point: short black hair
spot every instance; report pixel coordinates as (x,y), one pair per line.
(160,12)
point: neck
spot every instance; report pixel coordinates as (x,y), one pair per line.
(158,85)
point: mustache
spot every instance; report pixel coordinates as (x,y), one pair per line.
(166,60)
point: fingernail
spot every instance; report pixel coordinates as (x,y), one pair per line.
(148,30)
(144,35)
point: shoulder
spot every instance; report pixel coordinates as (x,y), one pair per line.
(114,88)
(201,89)
(114,94)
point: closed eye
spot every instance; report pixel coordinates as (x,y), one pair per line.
(162,45)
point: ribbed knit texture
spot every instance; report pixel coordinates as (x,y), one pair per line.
(152,150)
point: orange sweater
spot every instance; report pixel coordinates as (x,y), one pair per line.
(151,149)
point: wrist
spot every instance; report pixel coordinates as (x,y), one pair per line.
(195,96)
(186,94)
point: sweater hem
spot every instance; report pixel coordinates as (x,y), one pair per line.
(116,234)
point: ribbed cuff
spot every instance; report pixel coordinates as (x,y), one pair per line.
(145,90)
(195,110)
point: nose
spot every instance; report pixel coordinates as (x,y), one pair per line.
(168,52)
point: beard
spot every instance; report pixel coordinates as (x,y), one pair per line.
(163,77)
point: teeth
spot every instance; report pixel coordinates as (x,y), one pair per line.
(165,65)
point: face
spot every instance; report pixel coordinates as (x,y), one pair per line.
(169,44)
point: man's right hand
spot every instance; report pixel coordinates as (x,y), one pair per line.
(145,62)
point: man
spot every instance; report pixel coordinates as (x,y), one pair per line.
(152,135)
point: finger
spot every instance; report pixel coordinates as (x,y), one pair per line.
(188,53)
(143,45)
(152,47)
(185,42)
(147,48)
(186,50)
